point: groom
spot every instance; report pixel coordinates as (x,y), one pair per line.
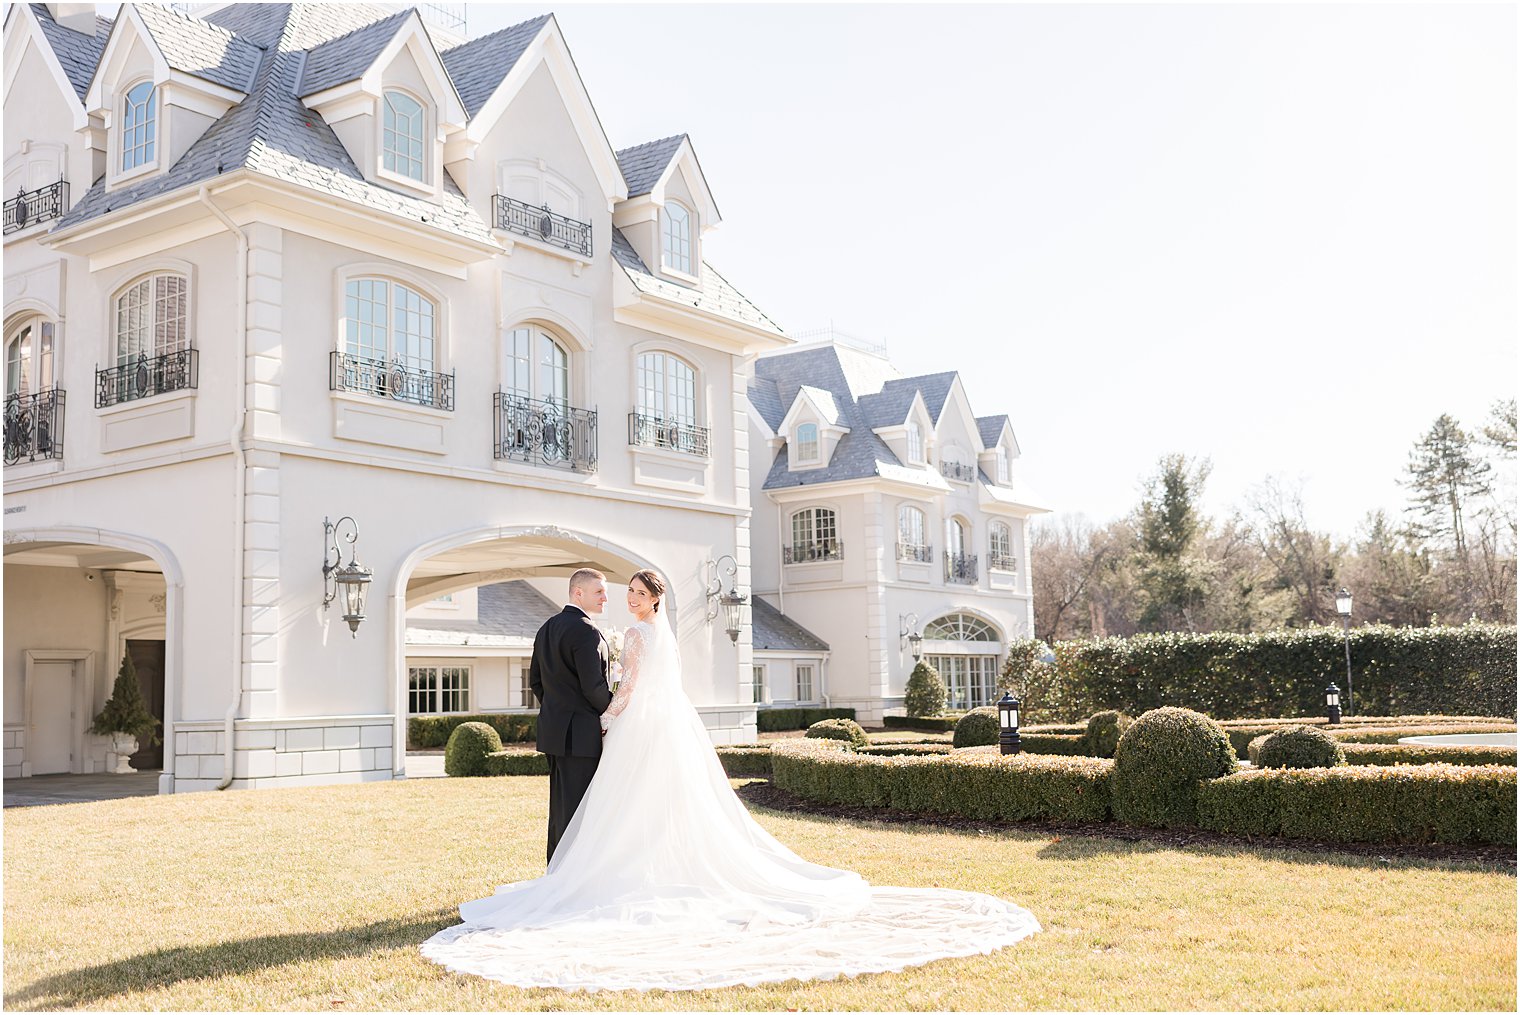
(568,675)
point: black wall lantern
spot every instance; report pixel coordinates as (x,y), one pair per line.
(730,603)
(908,634)
(1008,719)
(351,580)
(1333,703)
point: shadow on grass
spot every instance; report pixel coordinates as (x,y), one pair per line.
(169,966)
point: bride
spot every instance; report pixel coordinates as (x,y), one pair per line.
(663,880)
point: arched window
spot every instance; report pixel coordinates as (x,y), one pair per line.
(402,145)
(390,343)
(667,388)
(807,443)
(915,443)
(29,357)
(815,536)
(675,227)
(537,422)
(139,126)
(960,566)
(538,367)
(1000,547)
(964,649)
(153,318)
(955,536)
(33,407)
(910,534)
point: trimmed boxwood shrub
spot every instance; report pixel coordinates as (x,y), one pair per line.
(975,784)
(978,728)
(1103,732)
(517,763)
(847,730)
(1425,754)
(1054,743)
(1404,803)
(1159,763)
(1298,747)
(928,723)
(772,720)
(1393,734)
(429,731)
(925,692)
(904,750)
(469,747)
(745,762)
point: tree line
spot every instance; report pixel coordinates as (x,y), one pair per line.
(1449,557)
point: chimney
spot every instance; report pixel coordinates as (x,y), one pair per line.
(75,17)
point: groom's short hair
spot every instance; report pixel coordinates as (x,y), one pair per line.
(584,578)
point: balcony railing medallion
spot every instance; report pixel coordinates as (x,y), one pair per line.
(34,426)
(959,473)
(960,568)
(29,207)
(392,379)
(655,432)
(807,553)
(557,230)
(545,433)
(145,377)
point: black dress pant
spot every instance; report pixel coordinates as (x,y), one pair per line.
(569,777)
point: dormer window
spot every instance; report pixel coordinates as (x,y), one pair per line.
(1002,465)
(675,228)
(807,443)
(139,126)
(402,147)
(915,444)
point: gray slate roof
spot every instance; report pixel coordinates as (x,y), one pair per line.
(273,134)
(644,164)
(504,610)
(480,65)
(347,57)
(200,48)
(713,294)
(77,53)
(774,631)
(991,428)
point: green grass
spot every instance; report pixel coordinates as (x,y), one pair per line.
(317,899)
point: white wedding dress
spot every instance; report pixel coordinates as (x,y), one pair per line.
(663,881)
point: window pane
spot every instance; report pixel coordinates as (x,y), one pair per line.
(554,372)
(402,135)
(651,382)
(676,221)
(138,126)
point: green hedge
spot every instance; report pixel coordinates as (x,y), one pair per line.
(976,783)
(771,720)
(1053,743)
(745,762)
(931,723)
(518,763)
(1425,754)
(904,750)
(1393,734)
(1406,803)
(428,731)
(1454,669)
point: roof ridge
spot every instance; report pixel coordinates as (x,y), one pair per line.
(646,144)
(492,35)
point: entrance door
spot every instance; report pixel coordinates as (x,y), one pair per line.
(50,736)
(148,658)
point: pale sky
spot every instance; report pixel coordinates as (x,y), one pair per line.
(1283,237)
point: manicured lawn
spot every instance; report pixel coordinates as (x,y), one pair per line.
(317,899)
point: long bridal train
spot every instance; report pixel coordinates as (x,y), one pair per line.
(663,881)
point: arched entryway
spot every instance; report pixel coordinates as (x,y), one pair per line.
(965,649)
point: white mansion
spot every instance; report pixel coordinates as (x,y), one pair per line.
(273,266)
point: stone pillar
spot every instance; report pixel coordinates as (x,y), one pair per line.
(261,493)
(874,537)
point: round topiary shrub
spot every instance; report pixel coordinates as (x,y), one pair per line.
(925,693)
(847,730)
(1253,749)
(1159,762)
(468,748)
(1103,732)
(1298,747)
(977,728)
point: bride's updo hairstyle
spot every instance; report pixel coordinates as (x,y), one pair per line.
(652,582)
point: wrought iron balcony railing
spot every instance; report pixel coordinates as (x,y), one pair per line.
(960,568)
(545,433)
(29,207)
(147,376)
(391,380)
(920,552)
(806,553)
(557,230)
(654,432)
(956,471)
(34,426)
(1001,562)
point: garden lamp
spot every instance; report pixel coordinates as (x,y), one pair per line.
(1333,703)
(1343,607)
(1008,720)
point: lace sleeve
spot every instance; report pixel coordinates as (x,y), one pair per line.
(633,652)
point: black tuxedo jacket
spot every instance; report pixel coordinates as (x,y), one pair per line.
(569,675)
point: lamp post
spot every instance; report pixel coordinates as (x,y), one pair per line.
(1008,720)
(1333,703)
(908,633)
(731,602)
(352,579)
(1343,607)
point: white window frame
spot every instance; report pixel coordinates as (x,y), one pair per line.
(524,685)
(970,679)
(999,543)
(350,326)
(812,527)
(435,672)
(798,669)
(1003,472)
(37,369)
(660,390)
(143,316)
(957,535)
(678,245)
(530,349)
(424,158)
(915,443)
(151,145)
(757,677)
(912,525)
(809,452)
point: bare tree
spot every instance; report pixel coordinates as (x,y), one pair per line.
(1303,562)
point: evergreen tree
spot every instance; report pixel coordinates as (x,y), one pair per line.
(1174,578)
(925,693)
(126,711)
(1445,472)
